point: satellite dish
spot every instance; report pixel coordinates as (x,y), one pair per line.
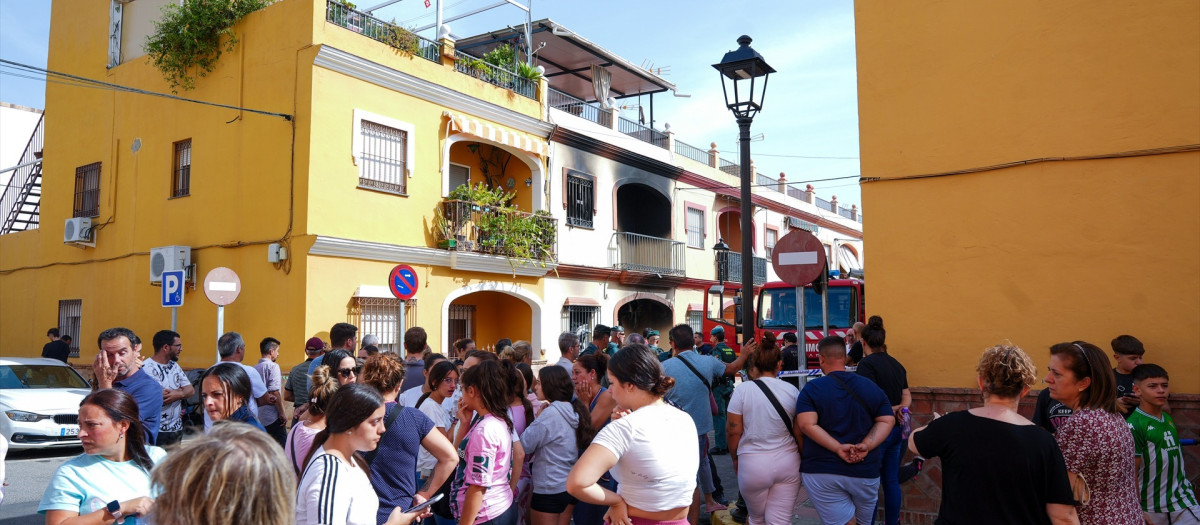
(137,145)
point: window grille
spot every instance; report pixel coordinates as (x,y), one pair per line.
(695,319)
(581,200)
(695,227)
(69,313)
(181,176)
(462,322)
(576,317)
(380,316)
(87,191)
(383,158)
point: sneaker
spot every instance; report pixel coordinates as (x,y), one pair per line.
(737,513)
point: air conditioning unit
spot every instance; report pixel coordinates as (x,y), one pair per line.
(77,230)
(168,258)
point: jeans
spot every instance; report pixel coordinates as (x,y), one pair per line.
(893,449)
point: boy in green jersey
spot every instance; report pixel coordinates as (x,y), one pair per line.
(1167,496)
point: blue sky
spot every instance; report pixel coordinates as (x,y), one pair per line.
(811,107)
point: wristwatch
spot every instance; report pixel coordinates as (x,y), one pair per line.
(114,509)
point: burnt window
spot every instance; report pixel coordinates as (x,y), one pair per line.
(581,199)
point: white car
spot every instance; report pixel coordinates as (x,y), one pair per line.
(39,402)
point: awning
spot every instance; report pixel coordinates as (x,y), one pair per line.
(695,307)
(486,130)
(580,301)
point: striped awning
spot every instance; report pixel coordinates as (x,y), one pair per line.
(499,134)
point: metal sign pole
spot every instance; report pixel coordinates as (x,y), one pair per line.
(825,311)
(175,319)
(403,328)
(801,338)
(220,326)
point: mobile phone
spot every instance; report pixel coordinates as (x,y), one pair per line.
(428,503)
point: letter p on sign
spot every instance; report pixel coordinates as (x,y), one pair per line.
(172,289)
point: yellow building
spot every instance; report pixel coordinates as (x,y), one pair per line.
(327,142)
(1033,175)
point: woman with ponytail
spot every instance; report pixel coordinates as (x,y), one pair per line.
(554,440)
(652,449)
(761,443)
(335,488)
(299,441)
(886,372)
(481,493)
(110,481)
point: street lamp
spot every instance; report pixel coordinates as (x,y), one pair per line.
(740,70)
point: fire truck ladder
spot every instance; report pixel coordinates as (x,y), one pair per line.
(20,204)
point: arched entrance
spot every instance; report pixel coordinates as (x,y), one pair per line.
(489,311)
(729,228)
(640,314)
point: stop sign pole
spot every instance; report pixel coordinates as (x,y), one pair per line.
(799,259)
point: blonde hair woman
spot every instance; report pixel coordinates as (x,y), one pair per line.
(234,474)
(997,466)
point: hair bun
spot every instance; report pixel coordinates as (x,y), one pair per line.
(875,322)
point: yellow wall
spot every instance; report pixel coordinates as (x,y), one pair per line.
(1047,252)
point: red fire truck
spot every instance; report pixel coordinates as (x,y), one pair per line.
(775,310)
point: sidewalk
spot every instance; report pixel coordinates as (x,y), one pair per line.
(804,514)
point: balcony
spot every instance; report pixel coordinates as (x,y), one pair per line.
(465,226)
(643,253)
(729,267)
(391,34)
(495,75)
(585,110)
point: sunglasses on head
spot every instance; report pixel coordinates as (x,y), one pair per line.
(345,372)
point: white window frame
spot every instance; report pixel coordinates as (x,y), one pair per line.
(687,213)
(447,184)
(410,146)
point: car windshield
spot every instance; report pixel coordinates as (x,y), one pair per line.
(40,376)
(778,308)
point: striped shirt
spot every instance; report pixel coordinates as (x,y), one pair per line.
(1164,485)
(333,492)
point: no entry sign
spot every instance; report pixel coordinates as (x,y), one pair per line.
(798,258)
(402,281)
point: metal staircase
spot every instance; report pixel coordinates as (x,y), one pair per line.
(21,202)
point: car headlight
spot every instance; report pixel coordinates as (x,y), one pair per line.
(25,417)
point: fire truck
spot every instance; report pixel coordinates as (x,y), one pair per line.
(776,306)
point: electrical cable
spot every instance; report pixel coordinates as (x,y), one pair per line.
(794,156)
(87,82)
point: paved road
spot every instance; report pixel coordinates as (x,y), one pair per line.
(28,473)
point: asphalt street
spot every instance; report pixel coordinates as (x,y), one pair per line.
(27,474)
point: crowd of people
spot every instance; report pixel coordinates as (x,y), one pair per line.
(611,433)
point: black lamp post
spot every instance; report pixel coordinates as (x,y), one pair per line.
(722,252)
(740,69)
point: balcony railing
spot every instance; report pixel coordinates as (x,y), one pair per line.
(824,204)
(643,253)
(642,133)
(691,152)
(845,212)
(391,34)
(730,168)
(476,67)
(729,267)
(579,108)
(467,226)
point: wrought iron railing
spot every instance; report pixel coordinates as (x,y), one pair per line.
(767,182)
(579,108)
(467,226)
(730,167)
(823,204)
(691,152)
(642,133)
(845,212)
(729,267)
(389,33)
(20,204)
(643,253)
(796,193)
(497,76)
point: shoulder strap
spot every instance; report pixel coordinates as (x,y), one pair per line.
(295,461)
(422,400)
(391,418)
(870,415)
(775,403)
(694,371)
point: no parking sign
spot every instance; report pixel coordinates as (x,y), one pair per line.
(402,281)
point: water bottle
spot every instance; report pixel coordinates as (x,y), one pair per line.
(1187,442)
(905,423)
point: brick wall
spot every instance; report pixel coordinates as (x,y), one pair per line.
(923,494)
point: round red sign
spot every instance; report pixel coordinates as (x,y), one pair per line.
(798,258)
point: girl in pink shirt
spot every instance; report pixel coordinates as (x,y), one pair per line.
(481,490)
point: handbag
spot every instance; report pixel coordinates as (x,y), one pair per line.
(778,407)
(712,401)
(1080,489)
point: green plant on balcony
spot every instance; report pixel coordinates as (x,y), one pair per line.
(186,43)
(401,39)
(499,227)
(502,56)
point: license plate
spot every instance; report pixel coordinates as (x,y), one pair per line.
(69,431)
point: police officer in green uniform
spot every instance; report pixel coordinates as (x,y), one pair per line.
(722,389)
(617,336)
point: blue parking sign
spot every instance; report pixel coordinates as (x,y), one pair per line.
(172,289)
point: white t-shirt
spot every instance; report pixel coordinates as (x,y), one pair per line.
(657,457)
(333,492)
(171,377)
(408,398)
(762,430)
(434,410)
